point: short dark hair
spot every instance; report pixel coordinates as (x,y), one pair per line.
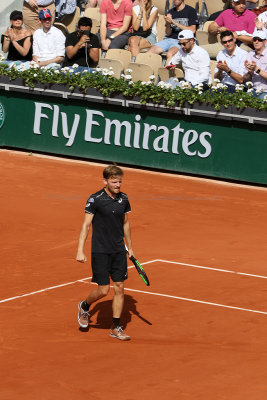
(16,15)
(84,21)
(226,33)
(112,170)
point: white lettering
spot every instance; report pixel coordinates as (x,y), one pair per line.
(118,125)
(186,142)
(164,138)
(136,142)
(205,144)
(74,128)
(175,140)
(55,121)
(147,130)
(89,123)
(38,115)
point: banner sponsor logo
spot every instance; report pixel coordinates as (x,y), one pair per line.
(2,115)
(96,128)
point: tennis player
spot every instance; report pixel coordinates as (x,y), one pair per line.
(107,210)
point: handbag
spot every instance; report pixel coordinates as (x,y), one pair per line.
(142,33)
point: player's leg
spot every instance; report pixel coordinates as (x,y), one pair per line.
(118,275)
(101,264)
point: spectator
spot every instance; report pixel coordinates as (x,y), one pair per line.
(256,64)
(195,60)
(48,42)
(17,41)
(239,20)
(82,47)
(261,22)
(178,18)
(93,3)
(251,4)
(144,26)
(230,66)
(31,9)
(115,19)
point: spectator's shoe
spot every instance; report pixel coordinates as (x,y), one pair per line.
(118,333)
(83,316)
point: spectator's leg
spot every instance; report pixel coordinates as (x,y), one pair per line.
(120,41)
(134,45)
(171,52)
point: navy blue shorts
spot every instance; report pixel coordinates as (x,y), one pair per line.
(106,266)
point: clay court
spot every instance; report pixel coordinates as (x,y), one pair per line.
(198,332)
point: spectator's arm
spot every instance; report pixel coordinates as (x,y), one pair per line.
(204,71)
(57,60)
(125,26)
(243,38)
(214,28)
(23,50)
(71,51)
(148,22)
(103,32)
(94,54)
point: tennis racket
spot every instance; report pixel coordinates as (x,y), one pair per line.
(140,270)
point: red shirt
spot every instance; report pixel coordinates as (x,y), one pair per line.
(115,17)
(234,22)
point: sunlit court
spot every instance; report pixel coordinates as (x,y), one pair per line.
(198,332)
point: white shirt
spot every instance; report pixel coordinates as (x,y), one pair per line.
(136,9)
(235,62)
(196,65)
(263,18)
(42,3)
(47,46)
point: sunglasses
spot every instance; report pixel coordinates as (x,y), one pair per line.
(227,41)
(258,39)
(17,18)
(184,43)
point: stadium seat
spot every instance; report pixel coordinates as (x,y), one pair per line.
(70,21)
(93,13)
(140,72)
(95,26)
(61,27)
(165,74)
(153,60)
(116,65)
(119,54)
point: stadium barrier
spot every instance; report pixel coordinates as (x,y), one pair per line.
(230,144)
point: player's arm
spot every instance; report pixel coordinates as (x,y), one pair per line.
(127,235)
(81,257)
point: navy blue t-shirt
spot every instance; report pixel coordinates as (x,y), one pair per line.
(108,221)
(187,16)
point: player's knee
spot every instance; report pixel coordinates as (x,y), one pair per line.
(119,288)
(104,289)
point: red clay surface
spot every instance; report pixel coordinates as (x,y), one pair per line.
(179,349)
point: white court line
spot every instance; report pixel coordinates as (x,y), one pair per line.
(212,269)
(152,293)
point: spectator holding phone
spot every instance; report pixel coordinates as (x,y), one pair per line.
(82,46)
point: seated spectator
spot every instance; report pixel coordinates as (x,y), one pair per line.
(227,4)
(82,47)
(195,60)
(230,66)
(17,41)
(144,23)
(48,42)
(93,3)
(239,20)
(256,64)
(261,22)
(115,19)
(252,4)
(262,8)
(178,18)
(31,9)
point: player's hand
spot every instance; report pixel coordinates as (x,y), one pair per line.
(130,253)
(81,257)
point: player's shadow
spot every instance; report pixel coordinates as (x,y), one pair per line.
(103,312)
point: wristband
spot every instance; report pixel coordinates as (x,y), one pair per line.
(229,71)
(258,71)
